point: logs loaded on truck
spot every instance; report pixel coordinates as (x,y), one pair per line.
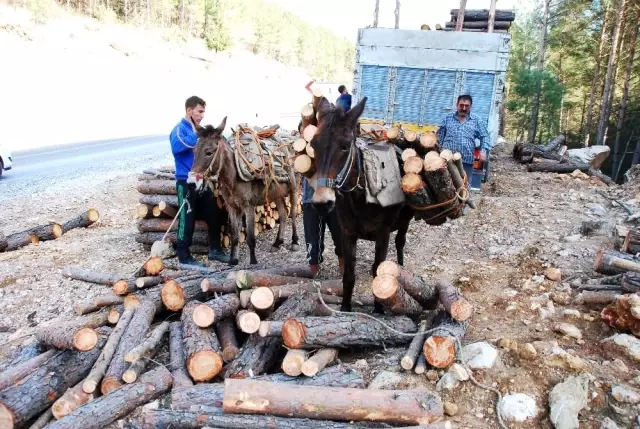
(248,349)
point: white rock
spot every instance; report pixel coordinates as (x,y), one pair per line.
(566,400)
(607,423)
(626,394)
(570,312)
(480,355)
(572,238)
(459,372)
(568,330)
(385,380)
(629,343)
(447,382)
(518,407)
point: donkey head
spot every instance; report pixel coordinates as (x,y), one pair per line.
(335,152)
(210,139)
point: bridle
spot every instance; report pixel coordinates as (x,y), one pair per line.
(209,170)
(342,176)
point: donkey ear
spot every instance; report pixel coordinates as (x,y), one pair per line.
(223,124)
(354,113)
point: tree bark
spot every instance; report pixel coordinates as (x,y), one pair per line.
(150,343)
(480,25)
(215,310)
(438,178)
(533,125)
(608,80)
(100,367)
(453,302)
(440,345)
(71,400)
(387,289)
(226,331)
(258,354)
(90,276)
(154,200)
(410,358)
(22,354)
(630,282)
(553,167)
(107,409)
(133,335)
(43,420)
(154,187)
(624,314)
(252,279)
(83,220)
(418,406)
(4,243)
(327,287)
(598,297)
(176,357)
(203,397)
(77,334)
(20,371)
(632,242)
(162,225)
(425,293)
(98,302)
(25,400)
(611,262)
(345,331)
(199,237)
(460,15)
(202,348)
(483,15)
(596,77)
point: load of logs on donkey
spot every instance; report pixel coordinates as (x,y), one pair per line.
(256,346)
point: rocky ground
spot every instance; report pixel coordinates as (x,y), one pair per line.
(513,258)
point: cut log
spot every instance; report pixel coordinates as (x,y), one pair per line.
(421,364)
(594,287)
(43,420)
(387,290)
(216,310)
(149,281)
(150,343)
(608,280)
(20,239)
(453,302)
(247,321)
(202,348)
(293,361)
(258,354)
(270,328)
(262,301)
(344,331)
(480,25)
(438,178)
(302,271)
(152,294)
(419,406)
(47,232)
(408,153)
(612,262)
(417,193)
(20,371)
(205,397)
(226,331)
(624,313)
(100,367)
(220,286)
(309,150)
(72,399)
(90,276)
(632,242)
(22,354)
(160,174)
(162,225)
(599,298)
(483,15)
(177,360)
(200,238)
(83,220)
(630,282)
(175,295)
(428,142)
(304,165)
(133,335)
(163,208)
(319,361)
(409,359)
(554,167)
(440,345)
(154,200)
(410,136)
(105,410)
(425,293)
(394,133)
(253,279)
(153,187)
(300,145)
(98,302)
(413,164)
(135,370)
(309,132)
(35,393)
(152,267)
(144,211)
(77,334)
(327,287)
(124,287)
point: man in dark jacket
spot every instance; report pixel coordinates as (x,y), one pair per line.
(344,100)
(198,200)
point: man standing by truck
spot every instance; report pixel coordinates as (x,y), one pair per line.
(344,100)
(458,133)
(197,199)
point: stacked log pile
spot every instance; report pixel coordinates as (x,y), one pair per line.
(477,20)
(49,231)
(158,205)
(225,332)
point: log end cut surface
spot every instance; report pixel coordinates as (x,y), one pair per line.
(204,365)
(440,351)
(385,286)
(293,334)
(173,296)
(203,316)
(85,339)
(411,183)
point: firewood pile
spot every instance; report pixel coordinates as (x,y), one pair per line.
(225,331)
(158,205)
(477,20)
(49,231)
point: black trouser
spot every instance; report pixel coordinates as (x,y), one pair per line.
(314,228)
(201,206)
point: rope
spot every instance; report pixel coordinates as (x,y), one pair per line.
(462,195)
(459,357)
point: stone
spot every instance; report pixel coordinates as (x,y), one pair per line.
(617,366)
(432,375)
(629,344)
(459,372)
(528,352)
(553,274)
(625,394)
(568,330)
(566,400)
(572,238)
(504,343)
(592,155)
(518,407)
(163,249)
(450,409)
(447,382)
(385,380)
(545,347)
(559,358)
(571,313)
(607,423)
(481,355)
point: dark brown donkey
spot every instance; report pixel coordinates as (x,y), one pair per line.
(214,157)
(339,184)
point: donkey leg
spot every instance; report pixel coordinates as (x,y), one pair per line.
(401,239)
(282,211)
(349,244)
(250,215)
(235,220)
(293,198)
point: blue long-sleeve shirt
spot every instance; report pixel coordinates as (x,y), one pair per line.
(183,140)
(460,136)
(344,101)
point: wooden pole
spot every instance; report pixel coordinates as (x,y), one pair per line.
(492,16)
(397,14)
(460,20)
(376,12)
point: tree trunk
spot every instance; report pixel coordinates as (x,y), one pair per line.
(215,310)
(134,334)
(625,95)
(72,399)
(90,276)
(15,374)
(632,242)
(202,348)
(107,409)
(483,15)
(162,225)
(176,357)
(33,236)
(43,420)
(492,16)
(596,77)
(624,314)
(608,81)
(460,17)
(150,343)
(552,167)
(77,334)
(175,295)
(533,125)
(157,187)
(421,291)
(22,354)
(199,237)
(397,14)
(327,287)
(387,289)
(258,354)
(100,367)
(154,200)
(226,331)
(345,331)
(98,302)
(409,359)
(25,400)
(611,262)
(83,220)
(453,302)
(376,12)
(440,346)
(418,406)
(252,279)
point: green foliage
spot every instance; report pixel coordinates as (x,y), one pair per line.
(215,33)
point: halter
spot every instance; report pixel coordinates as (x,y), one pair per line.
(209,169)
(343,175)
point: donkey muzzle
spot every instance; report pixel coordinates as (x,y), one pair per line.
(323,194)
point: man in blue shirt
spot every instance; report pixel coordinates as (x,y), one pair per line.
(200,201)
(458,132)
(344,100)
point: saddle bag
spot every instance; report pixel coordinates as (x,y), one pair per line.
(382,173)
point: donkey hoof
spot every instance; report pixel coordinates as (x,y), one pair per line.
(345,308)
(294,247)
(234,261)
(253,261)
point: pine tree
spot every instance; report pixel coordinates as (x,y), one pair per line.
(215,32)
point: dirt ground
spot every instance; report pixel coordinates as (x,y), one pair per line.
(525,222)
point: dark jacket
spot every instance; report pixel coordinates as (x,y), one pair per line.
(344,101)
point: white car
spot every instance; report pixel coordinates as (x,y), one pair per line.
(5,159)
